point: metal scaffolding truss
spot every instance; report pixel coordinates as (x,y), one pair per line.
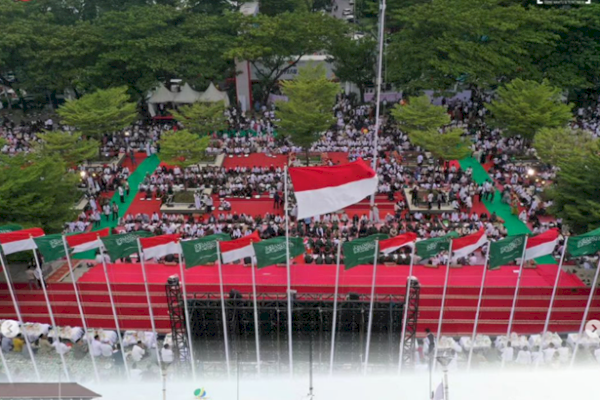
(412,315)
(177,317)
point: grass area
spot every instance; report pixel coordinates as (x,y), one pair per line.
(184,196)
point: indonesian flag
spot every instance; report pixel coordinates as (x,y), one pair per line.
(86,241)
(321,190)
(390,245)
(14,242)
(160,246)
(238,249)
(463,246)
(542,244)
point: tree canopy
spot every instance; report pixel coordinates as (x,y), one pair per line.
(419,115)
(182,148)
(522,108)
(554,145)
(70,147)
(354,61)
(100,112)
(448,145)
(202,118)
(308,111)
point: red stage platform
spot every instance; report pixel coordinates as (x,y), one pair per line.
(459,314)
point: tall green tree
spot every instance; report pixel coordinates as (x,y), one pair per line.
(554,145)
(354,60)
(419,115)
(444,42)
(522,108)
(70,147)
(100,112)
(36,191)
(448,145)
(575,192)
(202,118)
(274,45)
(182,148)
(309,109)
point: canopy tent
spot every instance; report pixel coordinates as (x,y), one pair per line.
(187,95)
(162,95)
(213,95)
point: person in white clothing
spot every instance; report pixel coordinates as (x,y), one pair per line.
(166,354)
(96,347)
(60,347)
(107,350)
(138,352)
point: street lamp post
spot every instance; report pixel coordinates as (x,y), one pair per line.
(378,95)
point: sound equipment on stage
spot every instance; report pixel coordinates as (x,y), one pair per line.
(353,297)
(235,294)
(173,280)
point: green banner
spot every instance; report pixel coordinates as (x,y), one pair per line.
(432,247)
(506,250)
(584,245)
(10,228)
(51,247)
(361,251)
(124,244)
(273,251)
(202,251)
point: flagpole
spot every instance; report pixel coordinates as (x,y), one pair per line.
(19,316)
(150,311)
(335,304)
(225,319)
(80,306)
(370,326)
(514,304)
(445,290)
(585,313)
(187,315)
(288,267)
(404,321)
(114,310)
(479,301)
(256,325)
(5,365)
(50,312)
(554,290)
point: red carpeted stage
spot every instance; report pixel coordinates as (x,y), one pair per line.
(459,314)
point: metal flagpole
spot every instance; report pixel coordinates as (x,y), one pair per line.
(115,317)
(404,322)
(445,290)
(377,106)
(256,325)
(335,304)
(225,320)
(150,311)
(560,264)
(514,304)
(50,312)
(187,316)
(479,301)
(288,267)
(19,316)
(370,326)
(80,306)
(585,313)
(5,365)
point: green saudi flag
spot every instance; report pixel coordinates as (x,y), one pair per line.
(361,251)
(202,251)
(584,245)
(506,251)
(51,247)
(272,251)
(124,244)
(432,247)
(10,228)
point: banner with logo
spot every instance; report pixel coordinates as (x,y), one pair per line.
(273,251)
(10,228)
(584,245)
(124,244)
(432,247)
(361,251)
(51,247)
(202,251)
(506,251)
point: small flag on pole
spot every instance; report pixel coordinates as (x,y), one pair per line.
(51,247)
(14,242)
(238,249)
(203,250)
(123,245)
(506,251)
(160,246)
(361,251)
(273,251)
(584,245)
(463,246)
(432,247)
(86,241)
(542,244)
(390,245)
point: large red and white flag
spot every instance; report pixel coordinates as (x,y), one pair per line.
(159,246)
(542,244)
(14,242)
(390,245)
(86,241)
(238,249)
(463,246)
(321,190)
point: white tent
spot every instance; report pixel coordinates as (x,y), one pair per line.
(187,95)
(213,95)
(162,95)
